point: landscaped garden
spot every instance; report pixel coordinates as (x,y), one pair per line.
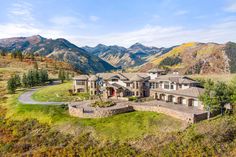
(59,93)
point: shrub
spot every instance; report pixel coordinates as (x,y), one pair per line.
(133,98)
(170,61)
(103,104)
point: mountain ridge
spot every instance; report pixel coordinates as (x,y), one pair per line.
(59,49)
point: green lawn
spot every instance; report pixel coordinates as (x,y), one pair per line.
(119,127)
(58,93)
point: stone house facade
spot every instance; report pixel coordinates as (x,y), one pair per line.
(156,83)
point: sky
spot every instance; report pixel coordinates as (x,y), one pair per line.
(160,23)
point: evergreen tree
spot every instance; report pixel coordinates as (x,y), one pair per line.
(17,80)
(24,81)
(30,78)
(35,77)
(61,75)
(11,85)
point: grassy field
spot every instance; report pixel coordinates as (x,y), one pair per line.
(58,93)
(119,127)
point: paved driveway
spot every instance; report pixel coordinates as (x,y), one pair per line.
(25,98)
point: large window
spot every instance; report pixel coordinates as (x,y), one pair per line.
(80,82)
(166,85)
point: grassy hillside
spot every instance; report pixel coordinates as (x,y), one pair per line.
(196,58)
(35,130)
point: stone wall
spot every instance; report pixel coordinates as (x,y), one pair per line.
(106,112)
(189,117)
(174,113)
(98,112)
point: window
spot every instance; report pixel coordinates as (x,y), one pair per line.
(166,86)
(128,84)
(136,84)
(91,84)
(114,80)
(180,86)
(137,94)
(157,85)
(80,82)
(171,86)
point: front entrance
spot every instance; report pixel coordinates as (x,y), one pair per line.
(111,92)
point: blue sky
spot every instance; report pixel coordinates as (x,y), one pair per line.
(121,22)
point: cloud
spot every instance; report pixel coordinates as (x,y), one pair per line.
(165,36)
(231,7)
(67,21)
(21,11)
(94,18)
(180,12)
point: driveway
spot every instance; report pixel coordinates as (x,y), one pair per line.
(26,98)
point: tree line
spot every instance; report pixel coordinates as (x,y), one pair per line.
(30,79)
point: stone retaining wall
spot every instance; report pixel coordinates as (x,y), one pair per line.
(98,112)
(106,112)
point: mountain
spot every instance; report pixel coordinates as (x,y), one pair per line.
(197,58)
(59,49)
(118,56)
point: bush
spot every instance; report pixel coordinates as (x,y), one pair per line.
(170,61)
(103,104)
(133,98)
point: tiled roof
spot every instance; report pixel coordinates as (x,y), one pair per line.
(176,78)
(189,92)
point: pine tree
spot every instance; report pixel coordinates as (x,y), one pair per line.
(24,81)
(61,75)
(17,80)
(30,78)
(11,85)
(35,77)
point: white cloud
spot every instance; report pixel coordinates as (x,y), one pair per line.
(180,12)
(165,36)
(94,18)
(67,21)
(231,7)
(21,11)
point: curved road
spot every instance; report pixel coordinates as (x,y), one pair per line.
(26,98)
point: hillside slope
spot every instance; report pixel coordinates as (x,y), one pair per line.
(197,58)
(59,49)
(118,56)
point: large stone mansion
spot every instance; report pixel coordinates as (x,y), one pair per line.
(171,88)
